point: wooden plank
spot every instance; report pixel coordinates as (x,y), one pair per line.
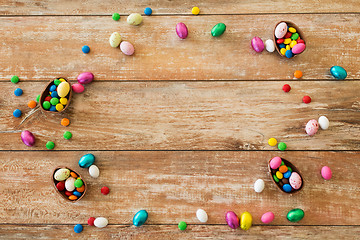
(171,186)
(171,232)
(77,7)
(40,48)
(189,116)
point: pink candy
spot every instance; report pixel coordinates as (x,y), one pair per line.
(275,162)
(298,48)
(267,217)
(326,173)
(232,220)
(85,77)
(295,180)
(78,88)
(127,48)
(257,44)
(181,30)
(312,127)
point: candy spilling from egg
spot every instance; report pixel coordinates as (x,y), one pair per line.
(289,40)
(57,95)
(69,184)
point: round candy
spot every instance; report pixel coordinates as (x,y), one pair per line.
(59,107)
(288,53)
(87,160)
(48,98)
(306,99)
(338,72)
(78,183)
(283,51)
(259,185)
(295,180)
(326,173)
(195,10)
(283,169)
(312,127)
(182,225)
(67,135)
(275,162)
(287,174)
(54,94)
(201,215)
(28,138)
(78,228)
(90,221)
(14,79)
(62,174)
(298,74)
(81,189)
(52,88)
(279,175)
(74,175)
(286,88)
(148,11)
(17,113)
(62,80)
(76,193)
(134,19)
(85,49)
(288,35)
(257,44)
(18,92)
(38,98)
(282,146)
(287,188)
(181,30)
(269,45)
(295,215)
(293,43)
(140,218)
(32,104)
(232,220)
(60,186)
(52,108)
(280,30)
(127,48)
(63,101)
(57,82)
(94,171)
(50,145)
(116,16)
(323,122)
(267,217)
(272,142)
(65,122)
(54,101)
(287,41)
(218,29)
(105,190)
(245,220)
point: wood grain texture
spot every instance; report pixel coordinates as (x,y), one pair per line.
(77,7)
(189,116)
(171,186)
(160,232)
(41,48)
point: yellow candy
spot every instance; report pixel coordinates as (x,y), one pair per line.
(50,93)
(63,89)
(279,175)
(63,101)
(287,40)
(287,47)
(272,142)
(245,220)
(292,30)
(62,80)
(195,10)
(59,107)
(283,51)
(293,43)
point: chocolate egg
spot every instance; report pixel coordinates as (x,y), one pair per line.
(232,220)
(28,138)
(87,160)
(85,78)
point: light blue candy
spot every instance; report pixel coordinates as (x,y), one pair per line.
(78,228)
(287,188)
(289,54)
(287,174)
(18,92)
(76,193)
(148,11)
(338,72)
(52,108)
(87,160)
(85,49)
(52,88)
(140,218)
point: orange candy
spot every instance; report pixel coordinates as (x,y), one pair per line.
(65,122)
(32,104)
(81,189)
(73,197)
(283,169)
(298,74)
(74,175)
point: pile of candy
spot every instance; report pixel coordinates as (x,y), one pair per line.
(56,96)
(288,39)
(69,184)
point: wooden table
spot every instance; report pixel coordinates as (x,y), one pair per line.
(182,124)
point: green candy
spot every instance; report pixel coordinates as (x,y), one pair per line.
(218,29)
(282,163)
(57,82)
(275,178)
(50,145)
(38,98)
(116,17)
(182,225)
(289,168)
(295,215)
(281,146)
(78,183)
(294,36)
(67,135)
(14,79)
(46,105)
(54,101)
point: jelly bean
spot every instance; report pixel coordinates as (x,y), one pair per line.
(289,168)
(312,127)
(101,222)
(105,190)
(280,30)
(48,98)
(65,122)
(281,40)
(62,80)
(67,135)
(69,184)
(201,215)
(287,47)
(14,79)
(292,30)
(60,186)
(288,53)
(323,122)
(94,171)
(68,193)
(140,218)
(287,174)
(148,11)
(85,78)
(63,101)
(85,49)
(298,48)
(90,221)
(298,74)
(283,51)
(282,45)
(275,162)
(52,88)
(295,215)
(269,45)
(259,185)
(54,101)
(115,39)
(257,44)
(182,225)
(17,113)
(338,72)
(232,220)
(63,89)
(286,88)
(76,193)
(287,188)
(294,36)
(279,175)
(81,189)
(50,145)
(181,30)
(300,41)
(116,16)
(127,48)
(288,35)
(195,10)
(27,138)
(38,98)
(326,173)
(73,197)
(18,92)
(78,228)
(293,43)
(54,94)
(283,169)
(306,99)
(57,82)
(282,146)
(78,183)
(218,29)
(272,142)
(134,19)
(59,107)
(74,175)
(275,178)
(87,160)
(245,220)
(267,217)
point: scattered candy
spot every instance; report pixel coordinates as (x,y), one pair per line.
(259,185)
(116,16)
(312,127)
(28,138)
(195,10)
(54,93)
(232,220)
(298,74)
(127,48)
(67,135)
(38,98)
(306,99)
(288,40)
(87,160)
(90,221)
(338,72)
(17,113)
(267,217)
(245,220)
(181,30)
(18,92)
(134,19)
(326,173)
(85,78)
(218,29)
(269,45)
(50,145)
(148,11)
(323,122)
(257,44)
(115,39)
(65,122)
(286,88)
(101,222)
(105,190)
(77,87)
(140,218)
(85,49)
(201,215)
(295,215)
(282,146)
(182,225)
(272,142)
(14,79)
(94,171)
(78,228)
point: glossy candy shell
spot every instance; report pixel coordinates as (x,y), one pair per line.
(181,30)
(295,215)
(232,220)
(87,160)
(62,194)
(28,138)
(44,94)
(338,72)
(140,218)
(218,29)
(257,44)
(85,78)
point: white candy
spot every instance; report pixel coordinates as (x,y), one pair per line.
(69,184)
(101,222)
(115,39)
(259,185)
(269,45)
(94,171)
(202,215)
(134,19)
(323,122)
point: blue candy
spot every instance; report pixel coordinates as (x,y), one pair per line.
(281,45)
(18,92)
(338,72)
(53,108)
(52,88)
(54,94)
(17,113)
(78,228)
(287,174)
(87,160)
(140,218)
(287,188)
(85,49)
(288,54)
(76,193)
(148,11)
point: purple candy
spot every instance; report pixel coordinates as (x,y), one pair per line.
(181,30)
(257,44)
(232,220)
(85,77)
(28,138)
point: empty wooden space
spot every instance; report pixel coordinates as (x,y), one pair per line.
(181,124)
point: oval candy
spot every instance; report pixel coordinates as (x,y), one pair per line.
(323,122)
(338,72)
(267,217)
(101,222)
(326,173)
(140,218)
(298,48)
(62,174)
(280,30)
(78,88)
(201,215)
(134,19)
(94,171)
(85,78)
(312,127)
(232,220)
(27,138)
(63,89)
(115,39)
(295,215)
(181,30)
(218,29)
(87,160)
(257,44)
(275,162)
(69,184)
(295,181)
(245,220)
(269,45)
(259,185)
(127,48)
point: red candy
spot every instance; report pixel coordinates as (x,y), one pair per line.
(286,88)
(307,99)
(288,35)
(91,221)
(48,98)
(280,40)
(105,190)
(300,41)
(60,186)
(67,193)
